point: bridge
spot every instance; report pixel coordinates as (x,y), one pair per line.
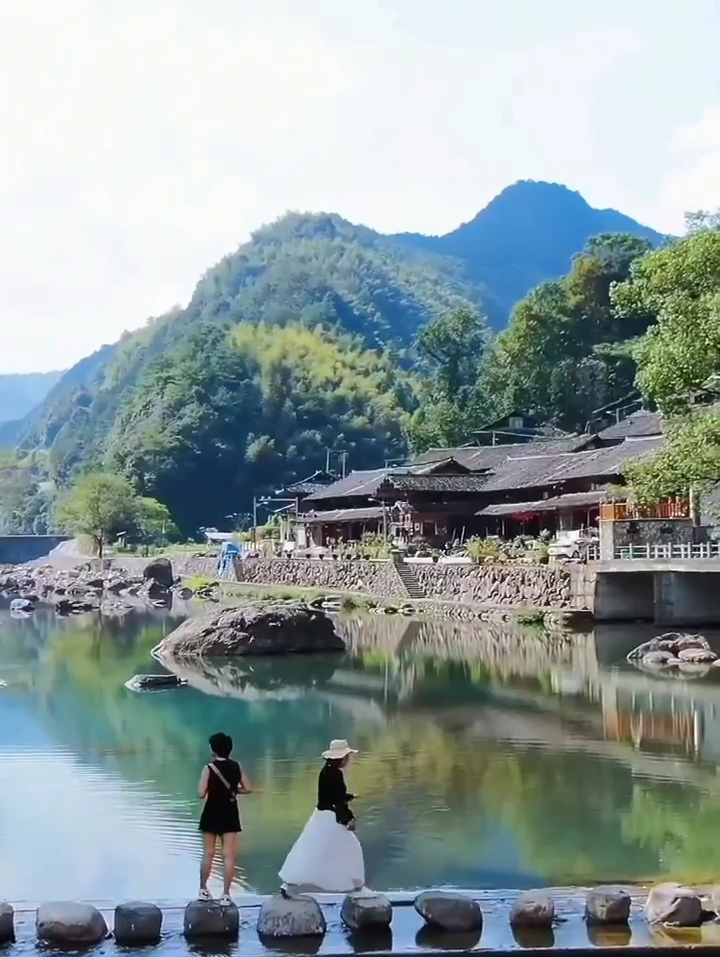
(671,585)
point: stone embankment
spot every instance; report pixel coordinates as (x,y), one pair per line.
(447,915)
(509,586)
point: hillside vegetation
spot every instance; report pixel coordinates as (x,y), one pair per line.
(318,335)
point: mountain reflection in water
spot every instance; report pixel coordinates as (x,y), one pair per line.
(490,756)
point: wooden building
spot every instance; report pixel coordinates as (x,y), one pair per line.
(449,494)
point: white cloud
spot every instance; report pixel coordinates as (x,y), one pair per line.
(142,140)
(692,180)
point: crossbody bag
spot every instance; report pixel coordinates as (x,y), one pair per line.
(232,791)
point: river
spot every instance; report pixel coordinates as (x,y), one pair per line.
(489,757)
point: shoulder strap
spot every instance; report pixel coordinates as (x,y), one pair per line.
(218,772)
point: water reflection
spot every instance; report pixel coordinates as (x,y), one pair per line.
(493,757)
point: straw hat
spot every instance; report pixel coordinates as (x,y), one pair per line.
(339,748)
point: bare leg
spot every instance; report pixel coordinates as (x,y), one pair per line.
(209,842)
(229,842)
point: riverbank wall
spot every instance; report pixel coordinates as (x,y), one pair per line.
(450,590)
(507,586)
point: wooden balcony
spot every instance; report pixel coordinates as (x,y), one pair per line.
(626,511)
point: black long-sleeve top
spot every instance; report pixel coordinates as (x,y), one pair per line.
(333,795)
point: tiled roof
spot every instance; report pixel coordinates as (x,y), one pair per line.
(339,515)
(642,423)
(481,458)
(537,471)
(572,500)
(355,484)
(436,483)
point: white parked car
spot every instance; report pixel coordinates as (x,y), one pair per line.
(569,546)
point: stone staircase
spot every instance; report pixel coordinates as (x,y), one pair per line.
(409,580)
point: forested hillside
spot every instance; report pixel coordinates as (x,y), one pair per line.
(320,335)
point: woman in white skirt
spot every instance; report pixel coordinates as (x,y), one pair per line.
(327,856)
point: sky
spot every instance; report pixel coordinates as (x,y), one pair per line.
(144,139)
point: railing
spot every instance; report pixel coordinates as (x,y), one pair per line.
(626,511)
(664,552)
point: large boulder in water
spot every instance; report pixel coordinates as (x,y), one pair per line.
(261,628)
(159,571)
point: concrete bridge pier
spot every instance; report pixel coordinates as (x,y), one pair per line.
(687,598)
(670,594)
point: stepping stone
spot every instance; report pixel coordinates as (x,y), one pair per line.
(674,905)
(7,924)
(68,923)
(533,910)
(138,922)
(211,919)
(366,912)
(297,917)
(607,905)
(448,911)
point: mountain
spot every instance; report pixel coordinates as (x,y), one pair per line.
(20,393)
(298,342)
(528,233)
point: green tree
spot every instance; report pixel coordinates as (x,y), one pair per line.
(679,357)
(679,286)
(154,522)
(452,349)
(99,504)
(566,352)
(689,460)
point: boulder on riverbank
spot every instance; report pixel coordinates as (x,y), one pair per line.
(260,628)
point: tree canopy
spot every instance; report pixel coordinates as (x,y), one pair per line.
(566,353)
(679,357)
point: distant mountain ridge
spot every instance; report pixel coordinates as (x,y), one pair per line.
(21,392)
(528,233)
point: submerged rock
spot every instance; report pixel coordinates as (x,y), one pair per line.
(607,905)
(211,919)
(449,911)
(297,917)
(155,682)
(137,922)
(366,912)
(262,628)
(68,923)
(22,604)
(673,904)
(66,606)
(533,910)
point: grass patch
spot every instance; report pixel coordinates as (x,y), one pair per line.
(530,617)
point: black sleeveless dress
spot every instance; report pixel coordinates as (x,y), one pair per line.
(220,814)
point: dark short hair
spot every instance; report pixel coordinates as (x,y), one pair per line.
(221,744)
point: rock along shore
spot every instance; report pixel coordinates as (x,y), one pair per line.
(667,916)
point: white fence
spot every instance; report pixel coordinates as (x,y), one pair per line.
(664,552)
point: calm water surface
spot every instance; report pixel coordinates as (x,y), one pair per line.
(491,757)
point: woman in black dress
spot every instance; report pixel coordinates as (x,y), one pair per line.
(220,784)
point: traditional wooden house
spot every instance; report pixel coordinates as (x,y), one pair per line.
(450,494)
